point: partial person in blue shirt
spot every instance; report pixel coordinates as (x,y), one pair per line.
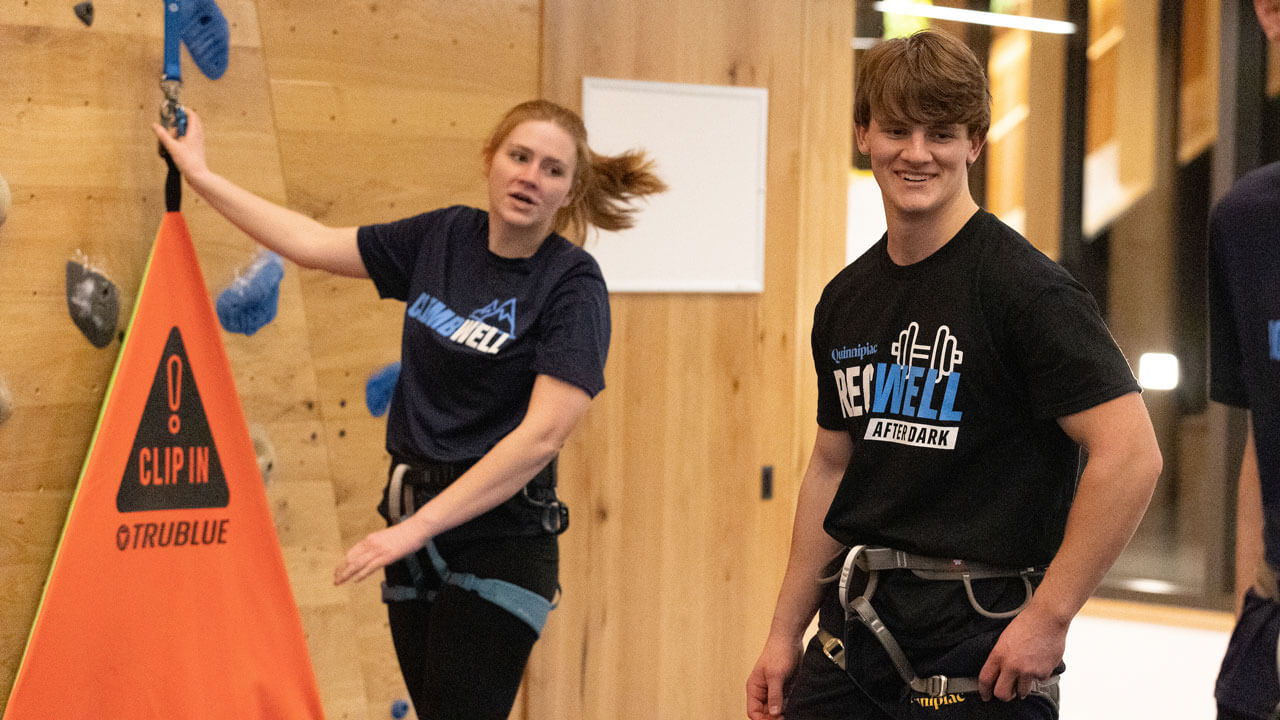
(1244,360)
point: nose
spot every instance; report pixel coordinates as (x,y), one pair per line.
(528,174)
(917,148)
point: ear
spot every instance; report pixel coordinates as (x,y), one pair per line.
(860,136)
(1269,18)
(976,142)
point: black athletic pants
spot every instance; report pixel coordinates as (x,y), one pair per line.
(1248,687)
(462,656)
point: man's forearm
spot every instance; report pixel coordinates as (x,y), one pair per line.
(1248,521)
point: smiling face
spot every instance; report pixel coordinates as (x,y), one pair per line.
(922,170)
(530,176)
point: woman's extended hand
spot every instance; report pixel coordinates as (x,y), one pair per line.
(187,151)
(376,551)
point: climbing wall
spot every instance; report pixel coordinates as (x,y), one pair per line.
(340,110)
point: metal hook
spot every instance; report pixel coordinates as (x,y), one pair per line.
(172,114)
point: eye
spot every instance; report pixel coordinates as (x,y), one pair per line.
(518,155)
(555,171)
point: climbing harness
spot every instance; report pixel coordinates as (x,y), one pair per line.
(869,561)
(552,514)
(525,604)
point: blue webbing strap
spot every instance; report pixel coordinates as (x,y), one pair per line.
(172,41)
(525,604)
(171,113)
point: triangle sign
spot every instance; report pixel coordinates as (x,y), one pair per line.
(168,595)
(174,461)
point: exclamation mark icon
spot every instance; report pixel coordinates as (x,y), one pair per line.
(173,373)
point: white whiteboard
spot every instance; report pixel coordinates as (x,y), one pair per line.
(706,233)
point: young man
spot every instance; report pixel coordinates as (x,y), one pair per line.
(1244,317)
(959,372)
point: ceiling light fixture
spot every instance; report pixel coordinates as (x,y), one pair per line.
(1017,22)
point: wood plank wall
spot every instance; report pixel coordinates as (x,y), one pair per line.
(673,568)
(355,111)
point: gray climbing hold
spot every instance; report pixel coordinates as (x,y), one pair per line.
(94,303)
(6,401)
(84,11)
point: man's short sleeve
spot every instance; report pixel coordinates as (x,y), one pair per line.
(829,415)
(1067,355)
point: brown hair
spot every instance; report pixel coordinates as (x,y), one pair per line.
(929,78)
(603,185)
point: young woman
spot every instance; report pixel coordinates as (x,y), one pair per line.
(504,344)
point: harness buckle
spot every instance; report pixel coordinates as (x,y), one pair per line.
(935,685)
(553,515)
(833,648)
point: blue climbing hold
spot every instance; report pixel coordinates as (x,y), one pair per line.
(399,709)
(377,391)
(204,30)
(252,298)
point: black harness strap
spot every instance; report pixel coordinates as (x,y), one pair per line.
(172,184)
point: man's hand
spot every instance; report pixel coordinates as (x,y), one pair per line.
(1028,652)
(765,686)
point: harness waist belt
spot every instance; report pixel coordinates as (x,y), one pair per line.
(871,560)
(525,604)
(434,477)
(933,686)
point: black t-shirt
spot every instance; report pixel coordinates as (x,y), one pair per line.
(1244,318)
(479,328)
(949,375)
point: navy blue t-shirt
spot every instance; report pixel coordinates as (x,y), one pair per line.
(478,328)
(950,375)
(1244,321)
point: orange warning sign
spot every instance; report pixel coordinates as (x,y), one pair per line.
(168,596)
(173,464)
